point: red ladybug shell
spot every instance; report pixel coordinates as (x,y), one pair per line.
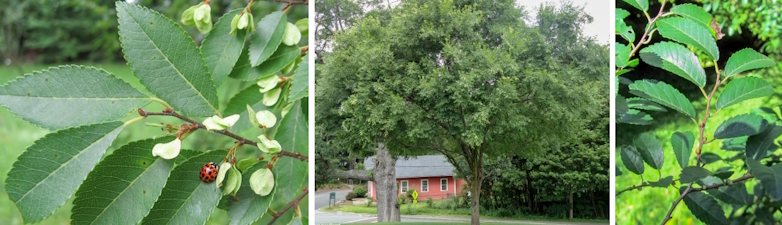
(208,172)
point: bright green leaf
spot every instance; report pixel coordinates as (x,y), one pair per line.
(222,49)
(267,38)
(770,177)
(695,13)
(682,147)
(242,66)
(291,173)
(742,89)
(642,5)
(760,145)
(300,85)
(632,159)
(622,53)
(636,117)
(251,206)
(622,29)
(281,58)
(741,125)
(645,104)
(166,60)
(124,186)
(676,59)
(693,173)
(186,199)
(746,59)
(704,207)
(663,94)
(663,183)
(689,32)
(51,170)
(69,96)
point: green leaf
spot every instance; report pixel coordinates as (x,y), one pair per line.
(186,199)
(682,147)
(622,53)
(621,106)
(770,177)
(708,157)
(124,186)
(689,32)
(283,57)
(291,174)
(632,159)
(250,206)
(51,170)
(300,86)
(238,105)
(741,125)
(695,13)
(267,38)
(735,144)
(222,49)
(650,149)
(723,173)
(663,94)
(760,145)
(642,5)
(733,194)
(766,113)
(742,89)
(622,29)
(645,104)
(636,117)
(663,183)
(676,59)
(69,96)
(704,207)
(746,59)
(693,173)
(242,66)
(166,60)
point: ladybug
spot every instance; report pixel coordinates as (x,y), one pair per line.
(209,172)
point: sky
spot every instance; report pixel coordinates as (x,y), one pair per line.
(600,10)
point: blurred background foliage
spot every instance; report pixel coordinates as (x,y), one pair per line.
(38,34)
(746,24)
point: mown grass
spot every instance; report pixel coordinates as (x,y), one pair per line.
(439,210)
(16,135)
(650,205)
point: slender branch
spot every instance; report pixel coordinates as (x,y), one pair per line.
(648,31)
(289,206)
(291,2)
(644,184)
(718,185)
(197,125)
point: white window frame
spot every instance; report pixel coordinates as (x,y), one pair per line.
(441,184)
(407,186)
(427,185)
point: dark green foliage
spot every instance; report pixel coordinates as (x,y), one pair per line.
(350,196)
(360,192)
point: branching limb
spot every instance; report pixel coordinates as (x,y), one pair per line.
(295,202)
(644,184)
(197,125)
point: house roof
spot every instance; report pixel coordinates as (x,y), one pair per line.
(420,166)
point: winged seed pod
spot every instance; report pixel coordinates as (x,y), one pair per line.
(268,146)
(266,118)
(167,150)
(217,123)
(262,181)
(224,167)
(291,35)
(270,97)
(234,181)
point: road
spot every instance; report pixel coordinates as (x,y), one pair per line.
(322,198)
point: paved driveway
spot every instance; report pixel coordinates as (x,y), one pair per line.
(322,198)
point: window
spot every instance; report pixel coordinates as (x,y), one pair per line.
(444,184)
(403,186)
(424,185)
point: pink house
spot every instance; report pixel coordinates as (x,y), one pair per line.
(431,176)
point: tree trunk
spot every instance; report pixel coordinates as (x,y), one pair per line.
(594,206)
(570,214)
(387,192)
(475,192)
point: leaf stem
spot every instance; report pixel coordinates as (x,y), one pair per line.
(197,125)
(162,102)
(295,202)
(129,122)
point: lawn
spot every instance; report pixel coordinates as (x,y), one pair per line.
(16,135)
(650,205)
(422,209)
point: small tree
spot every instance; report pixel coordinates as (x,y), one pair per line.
(153,180)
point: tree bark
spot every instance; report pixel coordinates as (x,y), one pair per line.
(351,174)
(570,213)
(387,192)
(594,206)
(475,192)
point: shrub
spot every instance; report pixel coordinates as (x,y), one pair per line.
(369,202)
(360,192)
(430,202)
(402,199)
(360,166)
(350,196)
